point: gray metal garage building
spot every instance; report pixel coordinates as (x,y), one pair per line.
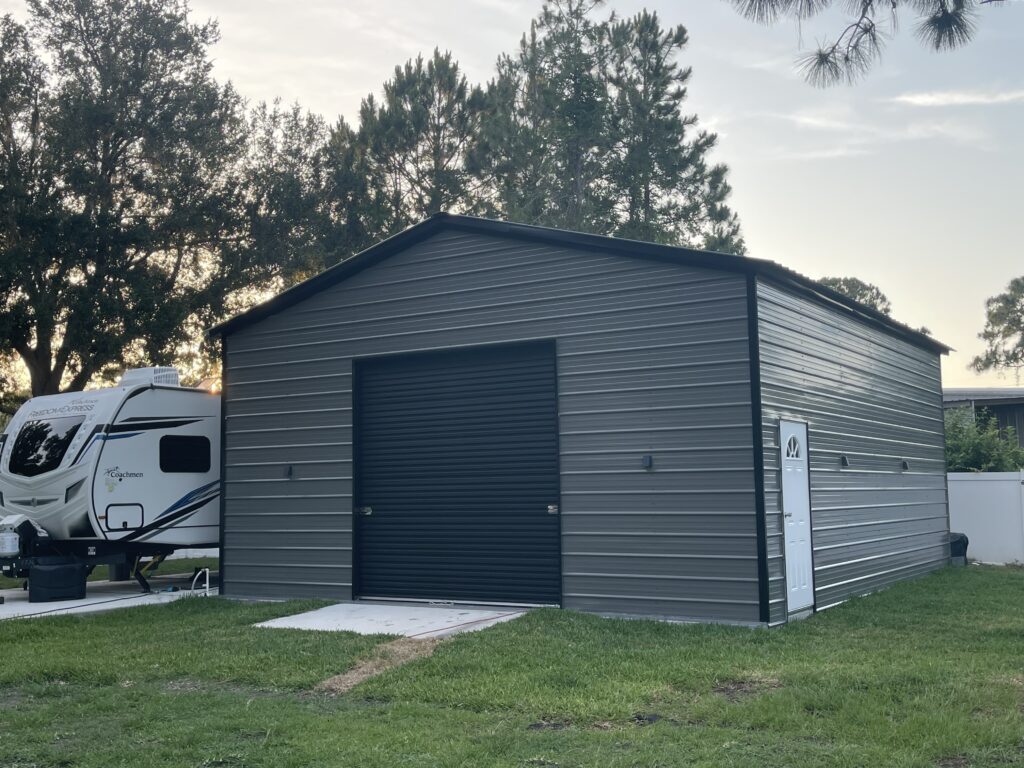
(496,413)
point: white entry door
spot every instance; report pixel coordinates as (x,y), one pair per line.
(796,510)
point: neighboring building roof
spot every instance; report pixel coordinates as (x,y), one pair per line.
(623,247)
(983,395)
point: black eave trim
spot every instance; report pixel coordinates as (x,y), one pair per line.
(722,262)
(757,419)
(357,489)
(223,460)
(558,460)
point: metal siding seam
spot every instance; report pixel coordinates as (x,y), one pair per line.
(223,456)
(753,338)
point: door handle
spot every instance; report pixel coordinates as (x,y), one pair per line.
(552,509)
(365,511)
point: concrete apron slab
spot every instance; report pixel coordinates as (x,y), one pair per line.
(99,596)
(417,621)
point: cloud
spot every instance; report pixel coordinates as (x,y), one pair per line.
(779,65)
(823,153)
(959,98)
(838,131)
(825,120)
(507,7)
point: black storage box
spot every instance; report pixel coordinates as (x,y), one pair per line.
(56,582)
(958,548)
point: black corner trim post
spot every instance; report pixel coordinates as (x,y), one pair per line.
(754,341)
(357,487)
(223,455)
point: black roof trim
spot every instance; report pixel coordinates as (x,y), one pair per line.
(635,248)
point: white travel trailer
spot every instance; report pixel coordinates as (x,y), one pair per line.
(112,473)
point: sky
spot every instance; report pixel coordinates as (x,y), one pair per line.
(911,179)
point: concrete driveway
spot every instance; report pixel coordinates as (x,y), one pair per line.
(99,596)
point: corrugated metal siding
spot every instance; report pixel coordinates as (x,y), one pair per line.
(876,399)
(652,358)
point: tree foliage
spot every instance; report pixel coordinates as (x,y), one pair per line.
(545,130)
(416,140)
(975,443)
(141,201)
(116,159)
(662,186)
(584,130)
(942,25)
(866,293)
(12,392)
(284,172)
(1004,330)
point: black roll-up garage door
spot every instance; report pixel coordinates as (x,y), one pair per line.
(456,468)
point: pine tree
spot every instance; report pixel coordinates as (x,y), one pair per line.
(574,50)
(546,128)
(509,155)
(663,187)
(355,206)
(584,130)
(649,157)
(867,294)
(943,25)
(284,185)
(1004,331)
(417,138)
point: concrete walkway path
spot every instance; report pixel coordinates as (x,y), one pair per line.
(417,621)
(99,596)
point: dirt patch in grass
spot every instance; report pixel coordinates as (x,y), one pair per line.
(739,690)
(187,685)
(184,686)
(10,698)
(959,761)
(642,719)
(549,725)
(638,720)
(388,656)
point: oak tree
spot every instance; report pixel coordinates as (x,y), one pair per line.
(117,183)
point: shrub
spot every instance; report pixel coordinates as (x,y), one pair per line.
(975,443)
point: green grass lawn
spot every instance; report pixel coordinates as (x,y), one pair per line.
(930,673)
(167,567)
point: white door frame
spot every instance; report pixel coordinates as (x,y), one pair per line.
(795,472)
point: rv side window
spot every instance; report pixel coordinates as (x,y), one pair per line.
(41,445)
(184,453)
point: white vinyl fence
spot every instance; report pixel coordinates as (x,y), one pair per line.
(989,508)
